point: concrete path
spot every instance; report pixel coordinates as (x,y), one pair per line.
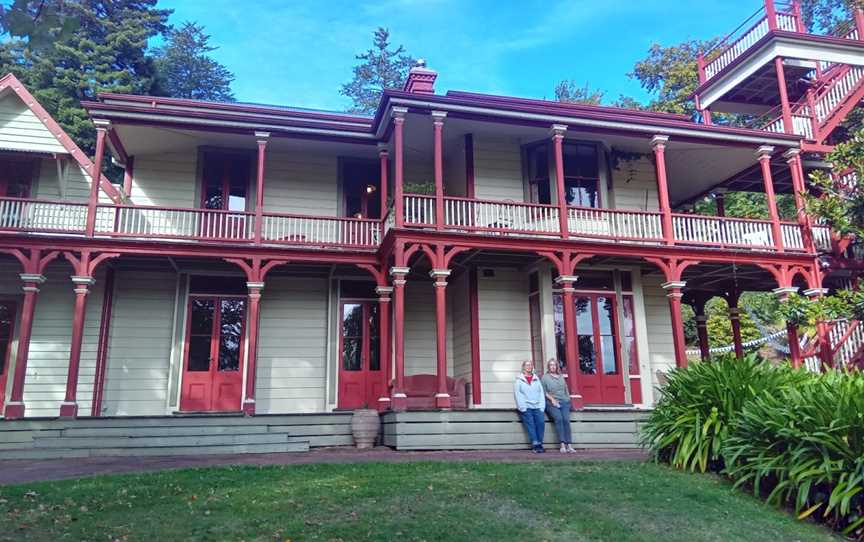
(20,471)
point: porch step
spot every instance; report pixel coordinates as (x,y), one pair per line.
(158,441)
(65,453)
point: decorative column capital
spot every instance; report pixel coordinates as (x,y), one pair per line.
(102,125)
(33,277)
(566,278)
(658,142)
(792,154)
(557,131)
(785,291)
(384,292)
(673,287)
(383,150)
(262,137)
(82,284)
(816,292)
(398,114)
(734,313)
(440,276)
(438,117)
(399,274)
(764,152)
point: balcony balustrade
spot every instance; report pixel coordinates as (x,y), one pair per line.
(462,215)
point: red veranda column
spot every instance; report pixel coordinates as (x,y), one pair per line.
(398,399)
(438,154)
(15,405)
(822,331)
(658,143)
(442,397)
(384,181)
(566,282)
(791,330)
(786,108)
(674,293)
(793,158)
(96,176)
(69,407)
(253,318)
(259,185)
(398,164)
(764,153)
(384,293)
(557,133)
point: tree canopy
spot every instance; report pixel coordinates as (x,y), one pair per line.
(185,69)
(381,67)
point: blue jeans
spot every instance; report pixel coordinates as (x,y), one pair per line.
(535,424)
(561,416)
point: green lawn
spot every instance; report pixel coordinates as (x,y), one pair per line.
(409,501)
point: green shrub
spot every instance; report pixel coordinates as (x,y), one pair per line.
(804,446)
(691,421)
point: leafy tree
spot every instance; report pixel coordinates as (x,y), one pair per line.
(185,69)
(381,67)
(671,75)
(106,52)
(571,92)
(828,16)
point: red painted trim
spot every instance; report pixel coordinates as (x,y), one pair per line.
(117,147)
(399,164)
(663,193)
(765,164)
(558,156)
(7,355)
(102,346)
(253,316)
(469,166)
(95,172)
(441,344)
(59,134)
(385,344)
(128,176)
(259,191)
(438,166)
(383,183)
(474,315)
(784,95)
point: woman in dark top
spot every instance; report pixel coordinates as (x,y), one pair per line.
(558,404)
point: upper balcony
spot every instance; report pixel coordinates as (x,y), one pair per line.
(338,185)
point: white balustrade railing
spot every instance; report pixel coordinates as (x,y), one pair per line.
(837,91)
(793,236)
(419,210)
(847,338)
(615,224)
(47,216)
(738,47)
(822,237)
(500,216)
(723,232)
(787,22)
(204,224)
(802,124)
(295,229)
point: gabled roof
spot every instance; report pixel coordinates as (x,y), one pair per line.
(10,83)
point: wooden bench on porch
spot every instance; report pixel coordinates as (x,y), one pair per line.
(421,390)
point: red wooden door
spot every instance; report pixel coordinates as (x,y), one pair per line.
(601,379)
(7,327)
(213,365)
(360,383)
(225,187)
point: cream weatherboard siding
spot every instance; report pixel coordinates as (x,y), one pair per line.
(658,321)
(48,360)
(420,346)
(635,186)
(301,183)
(505,340)
(167,180)
(498,169)
(292,346)
(21,129)
(457,299)
(136,380)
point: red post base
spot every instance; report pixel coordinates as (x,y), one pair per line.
(69,410)
(14,411)
(383,404)
(443,401)
(249,408)
(577,402)
(399,404)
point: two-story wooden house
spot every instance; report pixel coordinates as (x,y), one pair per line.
(277,260)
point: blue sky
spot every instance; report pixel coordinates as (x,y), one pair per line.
(299,53)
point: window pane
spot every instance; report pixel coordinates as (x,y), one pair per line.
(580,160)
(374,354)
(628,328)
(582,193)
(587,362)
(7,318)
(628,351)
(352,320)
(202,316)
(584,319)
(558,316)
(607,345)
(4,355)
(231,334)
(199,353)
(605,314)
(351,352)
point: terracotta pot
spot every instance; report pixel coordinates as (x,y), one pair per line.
(365,426)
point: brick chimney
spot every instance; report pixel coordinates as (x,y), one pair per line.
(421,80)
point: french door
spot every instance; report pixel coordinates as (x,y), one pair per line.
(601,378)
(7,328)
(360,379)
(225,183)
(213,364)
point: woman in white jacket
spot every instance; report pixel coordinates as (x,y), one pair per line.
(531,402)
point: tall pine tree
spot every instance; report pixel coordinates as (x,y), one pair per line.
(186,70)
(381,67)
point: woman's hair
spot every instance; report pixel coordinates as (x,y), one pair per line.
(526,363)
(550,362)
